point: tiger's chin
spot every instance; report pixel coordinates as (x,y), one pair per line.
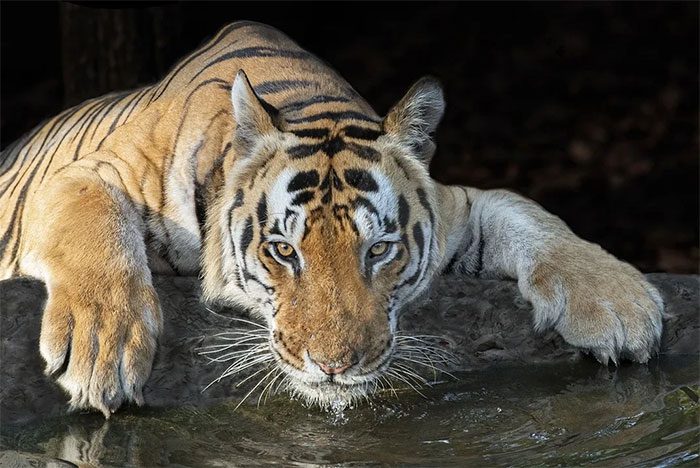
(330,394)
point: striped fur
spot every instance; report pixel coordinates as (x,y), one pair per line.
(249,149)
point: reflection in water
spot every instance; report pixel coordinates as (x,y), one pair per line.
(551,414)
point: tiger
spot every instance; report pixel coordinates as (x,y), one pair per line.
(253,165)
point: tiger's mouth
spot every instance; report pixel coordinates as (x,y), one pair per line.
(255,360)
(324,390)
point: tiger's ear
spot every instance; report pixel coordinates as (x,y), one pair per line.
(253,120)
(416,116)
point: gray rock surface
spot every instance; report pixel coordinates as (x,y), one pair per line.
(482,322)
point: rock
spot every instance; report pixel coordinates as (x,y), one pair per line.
(482,322)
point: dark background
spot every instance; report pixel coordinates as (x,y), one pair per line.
(591,109)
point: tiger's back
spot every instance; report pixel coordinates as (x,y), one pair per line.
(289,78)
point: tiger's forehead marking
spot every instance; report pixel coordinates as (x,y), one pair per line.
(345,198)
(333,175)
(331,141)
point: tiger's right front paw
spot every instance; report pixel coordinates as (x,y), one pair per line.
(101,342)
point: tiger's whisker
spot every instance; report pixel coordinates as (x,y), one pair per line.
(235,369)
(253,389)
(250,376)
(443,371)
(279,372)
(397,375)
(408,372)
(249,322)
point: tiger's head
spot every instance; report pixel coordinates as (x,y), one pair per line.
(325,232)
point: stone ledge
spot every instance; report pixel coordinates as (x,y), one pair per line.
(483,322)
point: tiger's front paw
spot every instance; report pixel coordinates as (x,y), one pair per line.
(101,341)
(596,302)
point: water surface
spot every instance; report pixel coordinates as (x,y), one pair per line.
(555,414)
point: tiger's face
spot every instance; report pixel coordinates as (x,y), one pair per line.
(327,231)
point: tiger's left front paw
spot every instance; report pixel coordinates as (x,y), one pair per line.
(596,302)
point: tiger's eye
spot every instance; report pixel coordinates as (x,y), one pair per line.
(284,249)
(378,249)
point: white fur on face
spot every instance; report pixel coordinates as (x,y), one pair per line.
(279,200)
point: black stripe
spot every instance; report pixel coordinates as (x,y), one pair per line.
(407,246)
(480,257)
(364,152)
(165,171)
(418,237)
(58,123)
(276,86)
(450,265)
(303,180)
(303,197)
(420,243)
(15,148)
(246,236)
(390,225)
(230,28)
(337,183)
(275,229)
(15,215)
(304,151)
(248,276)
(404,211)
(121,112)
(200,204)
(238,200)
(361,133)
(289,214)
(334,116)
(117,99)
(362,201)
(400,164)
(361,180)
(10,229)
(253,52)
(136,104)
(423,198)
(318,99)
(262,210)
(333,146)
(237,203)
(65,134)
(16,179)
(311,132)
(88,120)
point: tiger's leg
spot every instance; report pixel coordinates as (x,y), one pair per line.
(102,317)
(592,299)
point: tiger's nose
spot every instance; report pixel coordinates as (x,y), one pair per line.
(333,368)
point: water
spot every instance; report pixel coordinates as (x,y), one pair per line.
(556,414)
